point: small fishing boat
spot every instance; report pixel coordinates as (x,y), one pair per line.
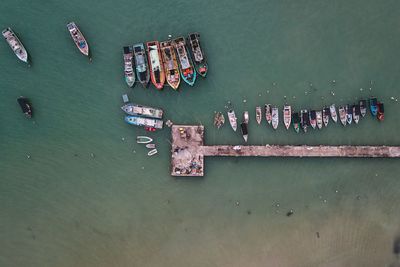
(268,113)
(185,63)
(232,119)
(246,117)
(287,116)
(258,114)
(171,67)
(146,122)
(141,139)
(155,63)
(325,115)
(198,56)
(373,106)
(319,119)
(304,120)
(15,44)
(78,38)
(332,110)
(25,106)
(139,110)
(296,122)
(349,114)
(363,107)
(356,113)
(342,115)
(152,152)
(219,119)
(142,68)
(381,111)
(313,119)
(128,66)
(275,117)
(150,146)
(245,134)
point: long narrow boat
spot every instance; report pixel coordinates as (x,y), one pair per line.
(381,111)
(155,63)
(152,152)
(342,115)
(78,38)
(304,120)
(313,119)
(246,117)
(332,110)
(296,122)
(325,116)
(373,106)
(275,117)
(287,116)
(258,114)
(141,139)
(142,68)
(319,119)
(198,56)
(356,113)
(245,133)
(15,44)
(25,106)
(171,67)
(268,113)
(349,114)
(128,66)
(139,110)
(186,68)
(140,121)
(363,107)
(232,119)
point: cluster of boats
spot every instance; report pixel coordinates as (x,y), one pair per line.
(305,118)
(149,145)
(165,62)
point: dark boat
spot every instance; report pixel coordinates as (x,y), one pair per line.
(313,118)
(305,120)
(325,115)
(25,106)
(197,53)
(349,114)
(373,106)
(381,112)
(356,113)
(363,107)
(296,121)
(245,133)
(142,67)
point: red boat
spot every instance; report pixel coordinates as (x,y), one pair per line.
(381,112)
(150,129)
(156,65)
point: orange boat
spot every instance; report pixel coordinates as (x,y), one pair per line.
(156,65)
(170,63)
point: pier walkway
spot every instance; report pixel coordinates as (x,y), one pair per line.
(188,151)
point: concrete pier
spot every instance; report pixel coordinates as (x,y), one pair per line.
(188,151)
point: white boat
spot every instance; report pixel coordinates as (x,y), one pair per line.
(332,110)
(287,116)
(319,119)
(342,115)
(15,44)
(146,122)
(246,117)
(275,117)
(141,139)
(139,110)
(152,152)
(268,113)
(232,119)
(128,66)
(78,38)
(258,115)
(356,113)
(349,115)
(151,146)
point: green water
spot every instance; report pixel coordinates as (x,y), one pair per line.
(63,207)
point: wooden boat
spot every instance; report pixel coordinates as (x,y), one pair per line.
(142,67)
(152,152)
(268,113)
(128,66)
(373,106)
(139,110)
(155,64)
(78,38)
(232,119)
(171,67)
(304,120)
(342,115)
(186,68)
(258,114)
(146,122)
(356,113)
(319,119)
(332,110)
(245,133)
(296,121)
(219,119)
(141,139)
(363,107)
(15,44)
(287,116)
(349,114)
(275,117)
(198,56)
(25,106)
(246,117)
(150,146)
(313,119)
(325,115)
(381,111)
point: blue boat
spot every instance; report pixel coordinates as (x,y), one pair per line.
(142,67)
(373,106)
(186,67)
(146,122)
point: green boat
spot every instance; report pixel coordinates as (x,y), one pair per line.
(296,122)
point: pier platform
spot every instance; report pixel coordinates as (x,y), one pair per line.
(188,151)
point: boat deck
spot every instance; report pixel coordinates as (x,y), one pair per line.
(188,151)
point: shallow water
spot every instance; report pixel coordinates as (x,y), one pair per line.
(88,198)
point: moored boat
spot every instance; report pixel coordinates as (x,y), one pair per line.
(152,152)
(78,38)
(296,122)
(128,66)
(356,113)
(313,119)
(349,114)
(332,110)
(363,107)
(155,64)
(142,67)
(287,116)
(246,117)
(151,146)
(342,115)
(304,120)
(319,119)
(268,113)
(275,117)
(258,114)
(198,56)
(141,139)
(139,110)
(25,106)
(245,134)
(373,106)
(186,68)
(15,44)
(381,111)
(325,115)
(170,62)
(147,122)
(219,119)
(232,119)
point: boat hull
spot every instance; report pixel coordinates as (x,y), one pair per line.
(15,45)
(170,63)
(141,64)
(157,74)
(144,122)
(144,111)
(129,72)
(197,54)
(188,72)
(78,38)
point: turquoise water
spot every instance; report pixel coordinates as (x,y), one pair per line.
(63,207)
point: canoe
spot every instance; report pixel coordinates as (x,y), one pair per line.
(152,152)
(78,38)
(296,121)
(287,116)
(219,119)
(381,112)
(356,113)
(342,115)
(15,44)
(258,114)
(363,107)
(349,114)
(142,67)
(268,113)
(129,74)
(25,106)
(199,59)
(170,63)
(186,68)
(373,106)
(245,134)
(319,119)
(232,119)
(141,139)
(325,115)
(157,74)
(144,111)
(332,110)
(313,119)
(275,118)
